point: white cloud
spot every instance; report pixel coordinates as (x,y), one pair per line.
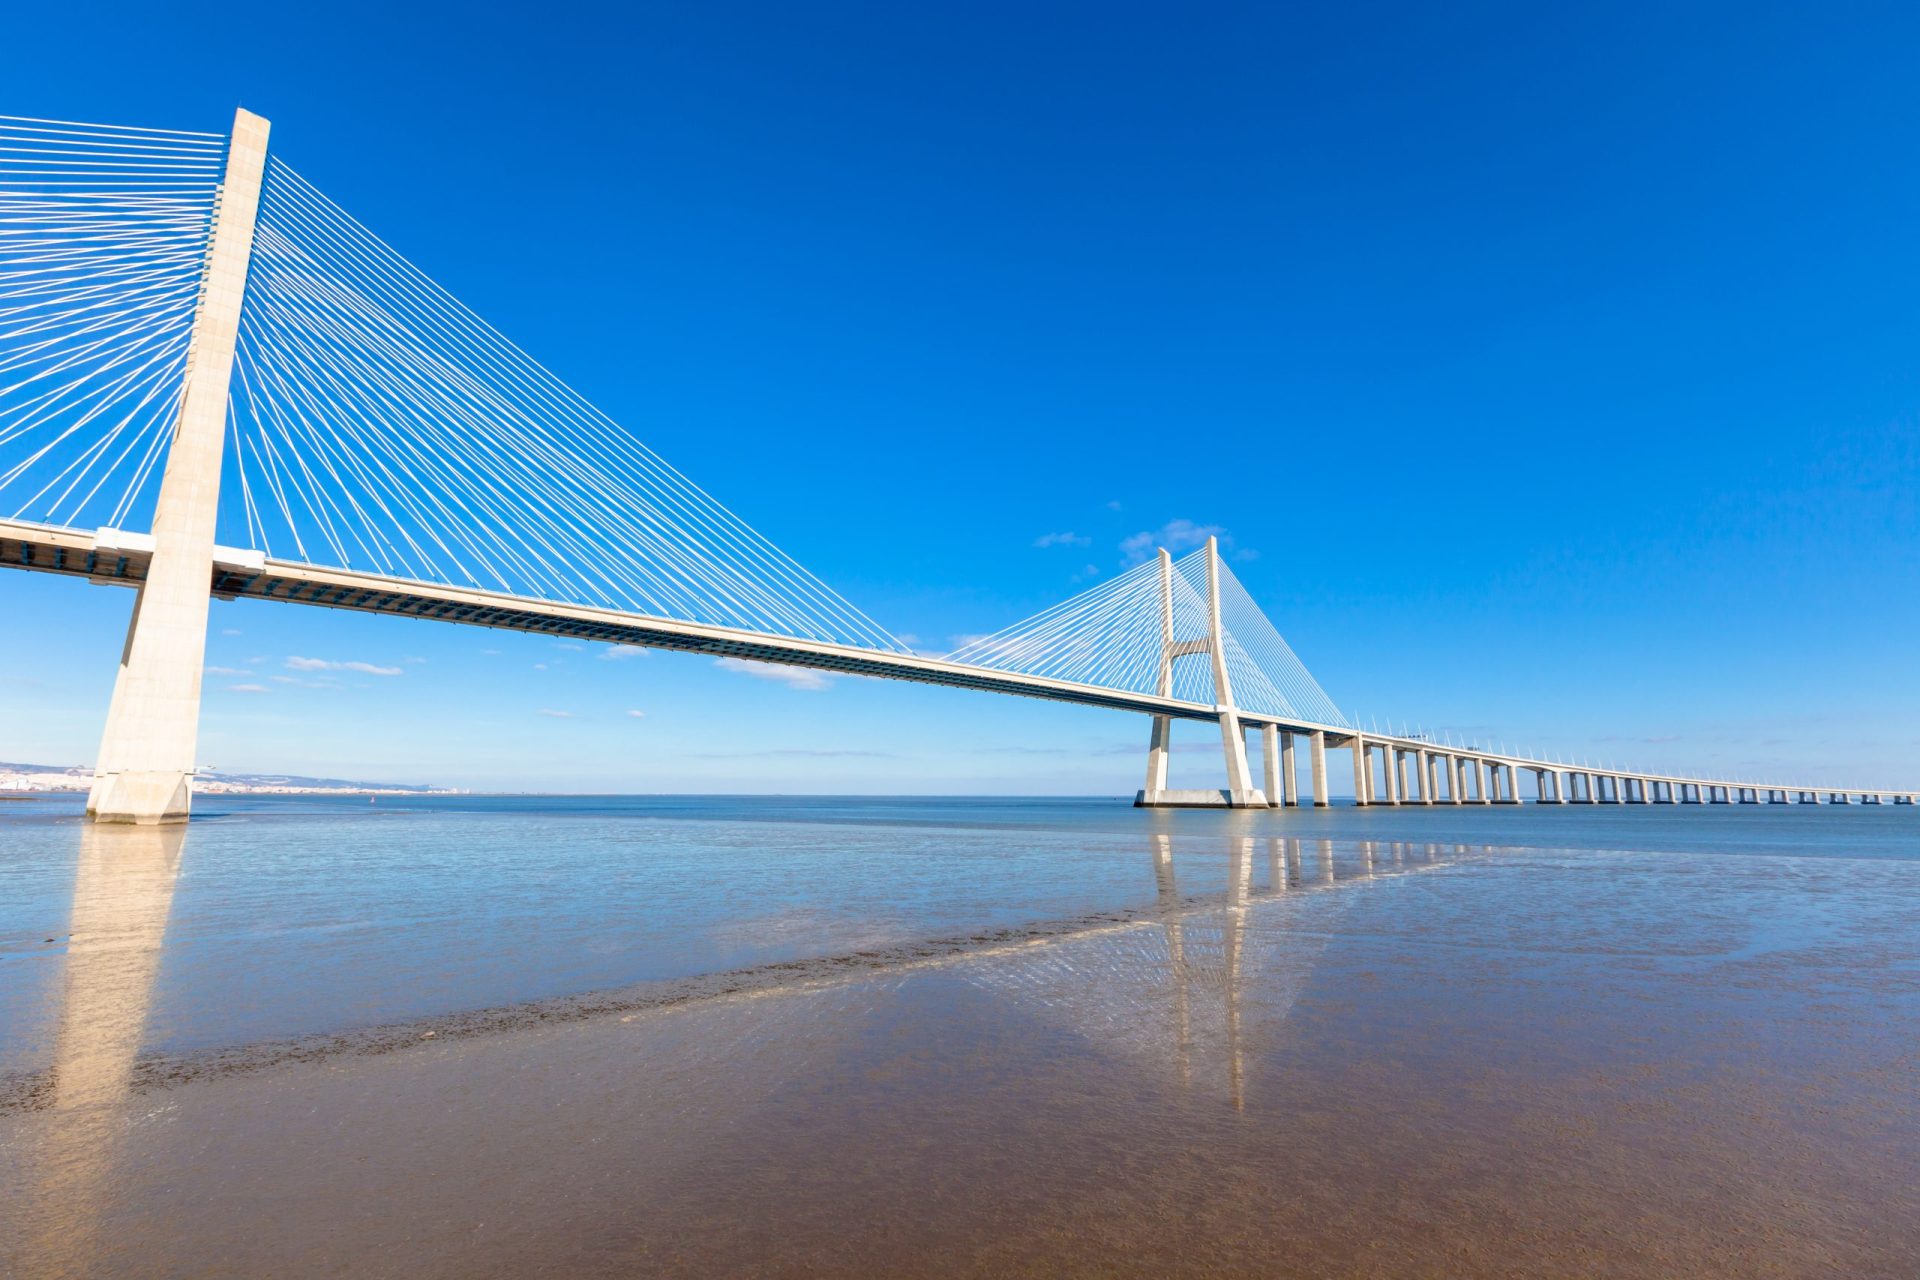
(551,714)
(569,646)
(249,688)
(228,671)
(1063,540)
(325,664)
(621,652)
(636,715)
(1177,536)
(306,684)
(229,631)
(539,666)
(792,677)
(413,662)
(489,653)
(1114,505)
(961,642)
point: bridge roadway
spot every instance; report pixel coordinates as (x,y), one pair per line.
(120,558)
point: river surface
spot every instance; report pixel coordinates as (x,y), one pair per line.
(467,1036)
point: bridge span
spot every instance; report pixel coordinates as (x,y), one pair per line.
(193,338)
(1387,769)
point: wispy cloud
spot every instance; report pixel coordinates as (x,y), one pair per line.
(807,753)
(569,646)
(636,715)
(248,688)
(228,671)
(1063,540)
(327,664)
(1114,505)
(621,652)
(489,653)
(302,683)
(551,714)
(229,631)
(792,677)
(1176,536)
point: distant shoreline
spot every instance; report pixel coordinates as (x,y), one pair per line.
(18,781)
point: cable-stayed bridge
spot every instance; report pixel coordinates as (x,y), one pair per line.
(215,382)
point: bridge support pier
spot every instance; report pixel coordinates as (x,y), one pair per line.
(144,772)
(1318,753)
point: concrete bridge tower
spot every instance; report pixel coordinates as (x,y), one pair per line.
(144,773)
(1239,792)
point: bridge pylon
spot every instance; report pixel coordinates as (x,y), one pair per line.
(144,773)
(1240,792)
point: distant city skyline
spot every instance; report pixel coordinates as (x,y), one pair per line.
(1558,392)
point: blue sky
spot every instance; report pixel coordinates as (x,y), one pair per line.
(1553,372)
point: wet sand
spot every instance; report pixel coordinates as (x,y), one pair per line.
(1294,1057)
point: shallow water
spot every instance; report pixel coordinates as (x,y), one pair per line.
(696,1036)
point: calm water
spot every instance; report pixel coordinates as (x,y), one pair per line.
(801,1036)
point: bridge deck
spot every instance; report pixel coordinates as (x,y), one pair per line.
(122,559)
(118,558)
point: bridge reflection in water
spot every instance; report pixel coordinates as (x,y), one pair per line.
(1172,991)
(122,896)
(1180,991)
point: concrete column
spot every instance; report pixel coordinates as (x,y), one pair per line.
(1233,738)
(1270,761)
(1483,791)
(1289,773)
(1389,771)
(1159,748)
(1362,791)
(1559,794)
(1423,771)
(1317,753)
(144,772)
(1401,781)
